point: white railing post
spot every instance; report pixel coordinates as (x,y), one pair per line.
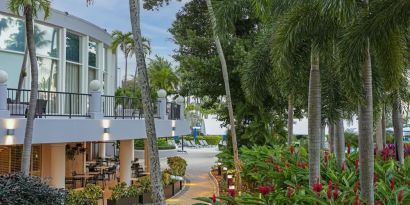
(4,112)
(181,102)
(162,98)
(94,109)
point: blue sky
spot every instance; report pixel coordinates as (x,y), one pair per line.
(114,15)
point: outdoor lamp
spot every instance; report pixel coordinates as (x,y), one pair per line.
(3,76)
(162,93)
(106,130)
(225,169)
(231,187)
(219,168)
(180,100)
(95,85)
(229,176)
(10,132)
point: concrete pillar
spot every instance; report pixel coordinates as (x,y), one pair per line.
(126,156)
(4,112)
(57,165)
(147,161)
(95,100)
(162,99)
(101,150)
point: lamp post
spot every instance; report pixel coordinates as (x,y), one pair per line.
(225,172)
(219,168)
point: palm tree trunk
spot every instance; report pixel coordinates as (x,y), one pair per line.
(314,118)
(22,75)
(331,137)
(126,72)
(290,120)
(228,96)
(28,136)
(340,143)
(398,127)
(384,125)
(379,136)
(322,136)
(155,171)
(366,156)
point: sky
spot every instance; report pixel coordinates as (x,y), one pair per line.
(114,15)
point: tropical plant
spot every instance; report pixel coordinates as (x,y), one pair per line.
(121,191)
(22,189)
(161,75)
(30,9)
(177,165)
(123,40)
(87,196)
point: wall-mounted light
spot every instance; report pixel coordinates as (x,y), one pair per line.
(229,176)
(105,123)
(106,130)
(10,132)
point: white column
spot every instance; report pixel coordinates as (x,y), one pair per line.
(101,150)
(126,156)
(57,165)
(162,99)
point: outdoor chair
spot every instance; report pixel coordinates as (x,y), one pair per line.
(187,143)
(40,108)
(203,143)
(193,144)
(70,182)
(112,171)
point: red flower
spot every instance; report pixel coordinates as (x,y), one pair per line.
(357,200)
(392,183)
(317,186)
(329,189)
(357,164)
(336,192)
(343,166)
(326,158)
(292,149)
(400,197)
(264,190)
(213,199)
(356,187)
(290,191)
(278,168)
(377,203)
(232,192)
(348,148)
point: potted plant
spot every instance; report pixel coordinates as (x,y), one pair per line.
(166,182)
(124,195)
(145,187)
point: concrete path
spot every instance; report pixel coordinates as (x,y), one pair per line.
(199,183)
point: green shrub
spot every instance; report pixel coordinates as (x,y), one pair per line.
(26,190)
(121,191)
(88,196)
(145,184)
(177,165)
(211,140)
(162,144)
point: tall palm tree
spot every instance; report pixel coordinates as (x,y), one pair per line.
(123,40)
(146,43)
(30,9)
(155,171)
(228,94)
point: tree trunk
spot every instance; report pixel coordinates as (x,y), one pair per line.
(290,120)
(322,136)
(126,72)
(331,137)
(384,125)
(340,143)
(155,172)
(366,156)
(28,136)
(398,127)
(379,136)
(228,96)
(23,73)
(314,118)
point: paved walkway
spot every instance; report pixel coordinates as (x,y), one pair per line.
(199,183)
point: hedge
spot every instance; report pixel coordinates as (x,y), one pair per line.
(211,140)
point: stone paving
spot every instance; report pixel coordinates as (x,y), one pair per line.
(199,182)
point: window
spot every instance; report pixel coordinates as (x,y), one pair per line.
(46,38)
(12,34)
(92,53)
(47,74)
(72,47)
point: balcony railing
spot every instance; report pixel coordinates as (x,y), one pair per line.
(65,104)
(49,103)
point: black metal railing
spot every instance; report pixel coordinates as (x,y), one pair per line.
(49,103)
(173,111)
(121,107)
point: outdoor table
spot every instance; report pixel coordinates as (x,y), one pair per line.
(83,178)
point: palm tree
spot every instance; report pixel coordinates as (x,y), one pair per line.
(161,75)
(122,40)
(147,50)
(228,94)
(30,9)
(155,172)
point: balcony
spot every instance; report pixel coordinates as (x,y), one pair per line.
(76,105)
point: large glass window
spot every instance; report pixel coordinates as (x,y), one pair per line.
(72,47)
(12,34)
(47,74)
(46,39)
(92,74)
(92,53)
